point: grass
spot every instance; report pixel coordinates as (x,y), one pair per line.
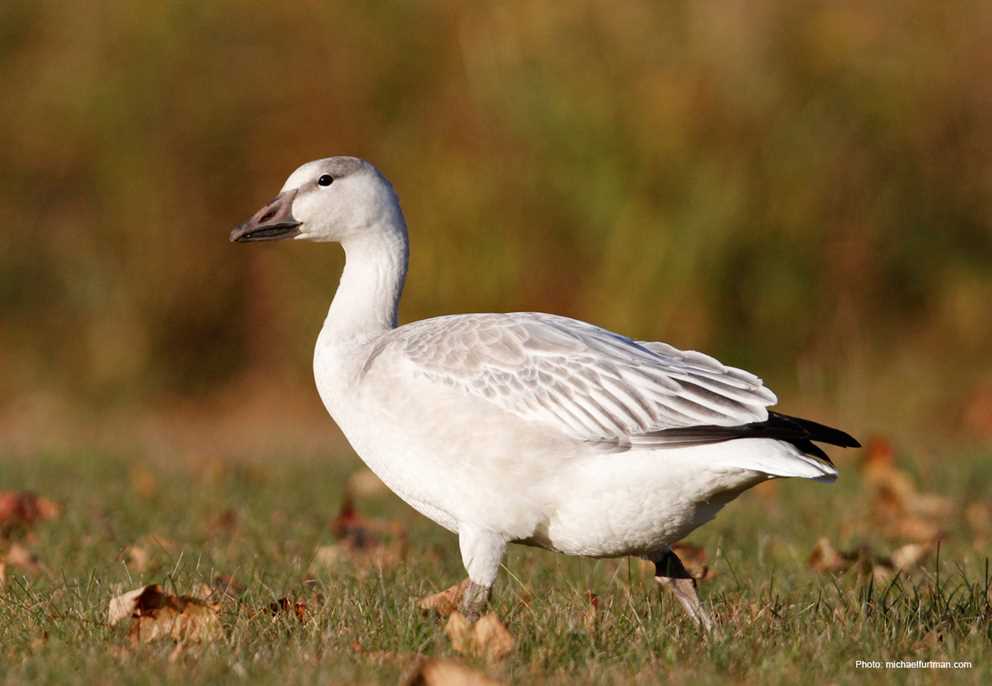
(781,621)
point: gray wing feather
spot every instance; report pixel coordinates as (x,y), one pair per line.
(589,383)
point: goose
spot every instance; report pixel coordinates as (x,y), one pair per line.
(526,427)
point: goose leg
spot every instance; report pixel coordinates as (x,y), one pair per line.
(482,551)
(670,572)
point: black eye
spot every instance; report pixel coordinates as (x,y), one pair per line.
(325,180)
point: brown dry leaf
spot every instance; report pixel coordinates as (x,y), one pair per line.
(444,602)
(825,558)
(878,454)
(124,605)
(156,614)
(367,543)
(145,554)
(914,529)
(136,557)
(910,555)
(358,531)
(196,622)
(901,510)
(487,638)
(285,605)
(694,560)
(443,672)
(202,591)
(221,589)
(20,510)
(932,505)
(892,485)
(364,559)
(19,556)
(3,573)
(492,638)
(459,632)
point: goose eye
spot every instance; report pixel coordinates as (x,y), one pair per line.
(325,180)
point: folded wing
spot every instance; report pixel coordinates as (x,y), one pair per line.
(588,383)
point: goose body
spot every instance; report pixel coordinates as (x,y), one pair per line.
(525,427)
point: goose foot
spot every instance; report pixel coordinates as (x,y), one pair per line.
(671,573)
(475,597)
(482,552)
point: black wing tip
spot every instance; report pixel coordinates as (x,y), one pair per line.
(799,432)
(820,432)
(810,448)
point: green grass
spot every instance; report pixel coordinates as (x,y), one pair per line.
(781,622)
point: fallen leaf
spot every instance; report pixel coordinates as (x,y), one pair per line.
(366,543)
(156,614)
(901,510)
(825,558)
(878,454)
(19,556)
(136,557)
(445,602)
(910,555)
(221,589)
(492,639)
(913,528)
(285,605)
(148,552)
(194,622)
(126,604)
(348,524)
(488,637)
(20,510)
(694,560)
(459,632)
(444,672)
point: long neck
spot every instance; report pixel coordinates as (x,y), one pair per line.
(366,302)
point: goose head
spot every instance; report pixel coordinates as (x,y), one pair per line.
(334,199)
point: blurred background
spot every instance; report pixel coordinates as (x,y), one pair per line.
(802,189)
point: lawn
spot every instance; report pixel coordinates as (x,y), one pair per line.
(292,615)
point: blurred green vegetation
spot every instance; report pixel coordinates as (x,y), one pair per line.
(804,189)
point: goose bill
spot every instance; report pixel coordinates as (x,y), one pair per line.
(273,222)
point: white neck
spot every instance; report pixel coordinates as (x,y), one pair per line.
(368,296)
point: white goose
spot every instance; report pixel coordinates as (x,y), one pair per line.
(526,427)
